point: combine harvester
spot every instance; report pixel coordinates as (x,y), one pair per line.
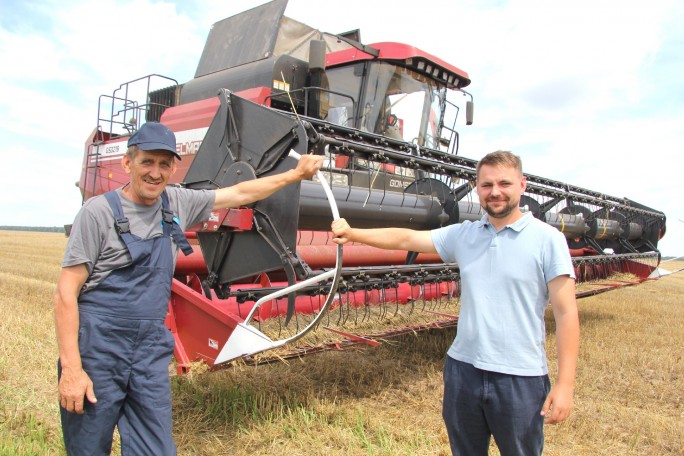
(384,116)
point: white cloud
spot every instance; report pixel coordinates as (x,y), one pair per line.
(27,57)
(38,114)
(38,187)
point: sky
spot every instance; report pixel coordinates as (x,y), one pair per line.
(589,92)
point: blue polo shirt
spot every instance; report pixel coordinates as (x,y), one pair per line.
(504,293)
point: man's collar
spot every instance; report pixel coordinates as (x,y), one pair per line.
(522,222)
(518,225)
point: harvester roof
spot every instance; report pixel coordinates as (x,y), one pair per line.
(408,56)
(265,31)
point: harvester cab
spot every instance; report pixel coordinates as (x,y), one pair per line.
(384,115)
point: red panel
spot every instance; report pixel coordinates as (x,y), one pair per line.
(197,114)
(200,325)
(390,51)
(257,95)
(584,251)
(640,270)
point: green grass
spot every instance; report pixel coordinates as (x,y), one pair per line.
(22,433)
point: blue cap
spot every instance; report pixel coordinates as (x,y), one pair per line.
(154,136)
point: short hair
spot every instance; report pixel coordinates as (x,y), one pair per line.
(131,151)
(500,158)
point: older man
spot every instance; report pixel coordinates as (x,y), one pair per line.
(112,297)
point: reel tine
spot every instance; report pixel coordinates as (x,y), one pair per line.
(290,309)
(349,182)
(370,187)
(279,318)
(346,314)
(413,301)
(396,304)
(403,194)
(384,187)
(365,305)
(431,303)
(341,309)
(382,305)
(327,316)
(349,312)
(383,300)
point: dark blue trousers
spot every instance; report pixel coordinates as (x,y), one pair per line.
(128,361)
(479,404)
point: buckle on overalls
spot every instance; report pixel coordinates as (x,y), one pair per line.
(122,226)
(168,217)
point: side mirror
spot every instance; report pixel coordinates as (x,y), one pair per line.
(469,112)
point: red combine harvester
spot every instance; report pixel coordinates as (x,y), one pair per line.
(384,116)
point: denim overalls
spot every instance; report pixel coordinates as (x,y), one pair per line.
(126,348)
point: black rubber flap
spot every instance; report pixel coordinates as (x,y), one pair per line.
(243,38)
(246,140)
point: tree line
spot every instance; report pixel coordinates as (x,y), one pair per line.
(44,229)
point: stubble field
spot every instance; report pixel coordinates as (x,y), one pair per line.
(629,397)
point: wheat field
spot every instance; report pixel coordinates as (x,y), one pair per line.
(629,397)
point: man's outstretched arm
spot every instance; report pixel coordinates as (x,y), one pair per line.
(384,238)
(257,189)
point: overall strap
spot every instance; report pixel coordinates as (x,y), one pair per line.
(122,226)
(171,226)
